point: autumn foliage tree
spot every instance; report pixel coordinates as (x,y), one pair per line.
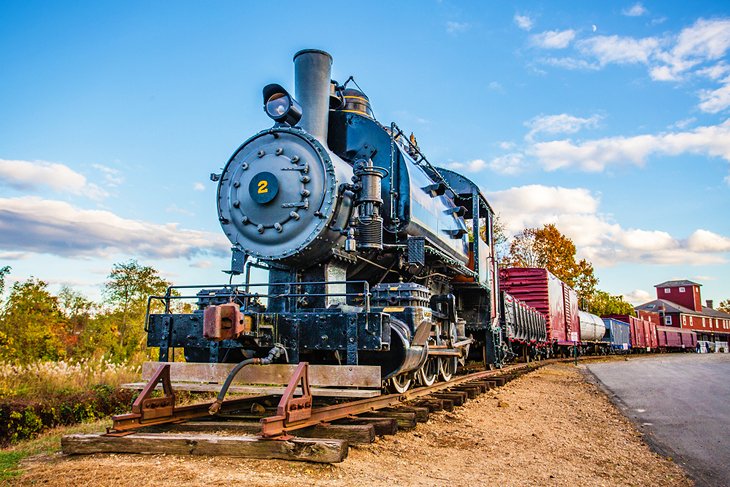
(547,248)
(724,306)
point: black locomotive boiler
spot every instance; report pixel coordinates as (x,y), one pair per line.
(374,256)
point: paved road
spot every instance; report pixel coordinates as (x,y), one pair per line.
(682,404)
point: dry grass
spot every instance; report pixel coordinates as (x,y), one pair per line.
(44,378)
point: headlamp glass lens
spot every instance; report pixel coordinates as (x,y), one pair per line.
(277,105)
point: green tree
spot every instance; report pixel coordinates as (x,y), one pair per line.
(126,290)
(724,306)
(603,303)
(32,325)
(4,271)
(77,310)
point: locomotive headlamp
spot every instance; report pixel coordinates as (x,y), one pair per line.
(280,106)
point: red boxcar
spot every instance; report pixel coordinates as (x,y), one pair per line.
(547,294)
(673,338)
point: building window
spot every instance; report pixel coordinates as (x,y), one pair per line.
(681,289)
(667,320)
(684,320)
(666,290)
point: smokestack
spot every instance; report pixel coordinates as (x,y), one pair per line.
(709,303)
(312,73)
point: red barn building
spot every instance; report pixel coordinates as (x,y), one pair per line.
(679,303)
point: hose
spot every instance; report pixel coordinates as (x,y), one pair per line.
(274,354)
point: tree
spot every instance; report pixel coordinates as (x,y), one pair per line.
(4,271)
(602,303)
(499,234)
(724,306)
(524,252)
(32,325)
(546,247)
(127,288)
(77,310)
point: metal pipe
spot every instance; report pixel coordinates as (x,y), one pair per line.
(312,74)
(274,354)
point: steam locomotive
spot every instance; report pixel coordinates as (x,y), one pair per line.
(374,256)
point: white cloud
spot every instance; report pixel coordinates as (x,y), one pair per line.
(198,186)
(112,177)
(553,39)
(32,224)
(495,86)
(570,63)
(636,10)
(684,123)
(508,164)
(706,241)
(33,175)
(696,51)
(714,101)
(596,155)
(638,296)
(457,27)
(202,264)
(14,255)
(620,50)
(575,212)
(559,124)
(524,22)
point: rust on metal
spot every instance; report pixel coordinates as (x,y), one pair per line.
(156,407)
(292,409)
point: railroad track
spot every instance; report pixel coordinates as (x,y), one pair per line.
(295,429)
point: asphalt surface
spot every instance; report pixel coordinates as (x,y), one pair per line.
(682,404)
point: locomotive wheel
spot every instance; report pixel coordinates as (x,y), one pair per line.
(399,384)
(428,374)
(447,367)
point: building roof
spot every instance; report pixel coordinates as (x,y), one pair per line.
(715,312)
(667,306)
(670,307)
(683,282)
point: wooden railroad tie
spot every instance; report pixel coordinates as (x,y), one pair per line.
(456,398)
(353,433)
(433,404)
(382,426)
(483,384)
(298,449)
(471,391)
(406,421)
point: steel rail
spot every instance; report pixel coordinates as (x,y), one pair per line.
(282,424)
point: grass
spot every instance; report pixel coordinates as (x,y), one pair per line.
(39,379)
(46,444)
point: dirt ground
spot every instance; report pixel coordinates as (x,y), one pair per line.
(549,427)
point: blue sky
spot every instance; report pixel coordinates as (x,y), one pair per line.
(608,119)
